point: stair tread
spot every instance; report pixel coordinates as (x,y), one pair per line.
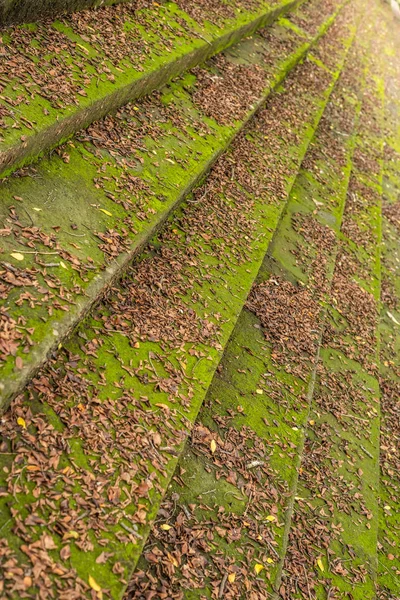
(120,398)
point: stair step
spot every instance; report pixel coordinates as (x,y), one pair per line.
(389,508)
(332,542)
(91,445)
(59,77)
(26,11)
(222,530)
(74,223)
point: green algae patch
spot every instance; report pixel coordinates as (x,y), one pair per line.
(80,216)
(120,398)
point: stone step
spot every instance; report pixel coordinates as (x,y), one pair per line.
(74,223)
(59,77)
(223,529)
(389,327)
(25,11)
(89,448)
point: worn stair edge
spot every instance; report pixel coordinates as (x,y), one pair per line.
(389,534)
(217,303)
(129,82)
(57,183)
(238,394)
(23,11)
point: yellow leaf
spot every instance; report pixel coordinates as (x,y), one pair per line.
(94,585)
(271,518)
(259,392)
(172,559)
(21,422)
(37,209)
(72,534)
(213,446)
(312,422)
(63,265)
(320,564)
(231,577)
(86,51)
(258,568)
(270,561)
(17,255)
(106,212)
(165,527)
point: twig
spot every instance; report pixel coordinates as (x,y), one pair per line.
(355,417)
(130,530)
(308,587)
(37,252)
(222,586)
(366,451)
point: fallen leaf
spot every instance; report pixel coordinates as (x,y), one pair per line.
(17,255)
(213,446)
(106,212)
(165,527)
(21,422)
(388,313)
(231,577)
(258,568)
(271,518)
(94,585)
(320,564)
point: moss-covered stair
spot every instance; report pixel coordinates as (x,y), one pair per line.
(90,445)
(57,77)
(278,493)
(72,223)
(223,422)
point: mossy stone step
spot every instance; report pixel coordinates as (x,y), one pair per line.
(73,224)
(59,77)
(90,446)
(25,11)
(257,410)
(389,507)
